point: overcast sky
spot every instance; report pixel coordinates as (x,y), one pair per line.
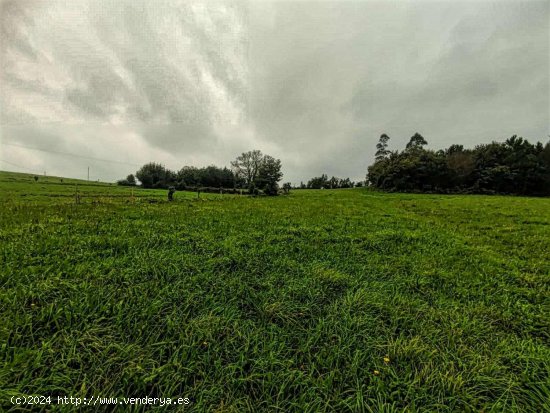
(312,83)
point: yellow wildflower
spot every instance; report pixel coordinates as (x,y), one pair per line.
(386,360)
(376,372)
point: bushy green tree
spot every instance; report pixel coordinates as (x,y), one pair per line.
(269,174)
(211,176)
(258,172)
(511,167)
(247,166)
(188,176)
(129,181)
(345,183)
(322,181)
(318,182)
(155,175)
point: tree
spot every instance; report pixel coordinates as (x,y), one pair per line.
(247,166)
(318,182)
(155,175)
(382,147)
(416,142)
(454,149)
(461,166)
(345,183)
(258,171)
(212,176)
(287,186)
(188,176)
(511,167)
(129,181)
(269,174)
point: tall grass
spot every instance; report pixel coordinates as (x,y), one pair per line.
(343,300)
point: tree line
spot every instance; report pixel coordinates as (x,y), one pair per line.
(252,171)
(323,182)
(515,166)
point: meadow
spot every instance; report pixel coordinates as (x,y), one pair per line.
(344,300)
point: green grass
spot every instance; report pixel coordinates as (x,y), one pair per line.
(21,188)
(284,304)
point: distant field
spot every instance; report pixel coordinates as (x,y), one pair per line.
(19,187)
(285,304)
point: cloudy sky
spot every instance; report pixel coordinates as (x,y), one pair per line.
(112,84)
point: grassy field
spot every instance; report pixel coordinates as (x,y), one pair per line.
(341,301)
(23,188)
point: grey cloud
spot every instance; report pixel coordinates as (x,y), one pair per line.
(314,83)
(14,16)
(478,87)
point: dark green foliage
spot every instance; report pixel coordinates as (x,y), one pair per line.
(287,186)
(253,170)
(129,181)
(257,172)
(269,174)
(318,182)
(333,183)
(211,176)
(344,183)
(382,147)
(155,175)
(416,142)
(247,166)
(512,167)
(274,305)
(188,176)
